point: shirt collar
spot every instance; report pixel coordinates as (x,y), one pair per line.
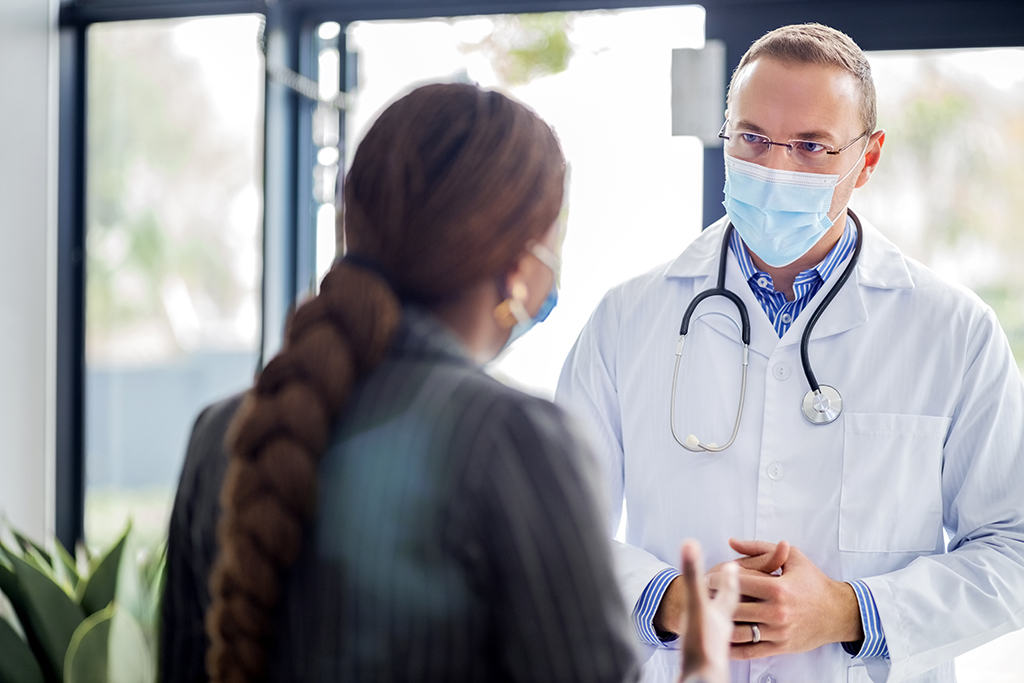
(881,264)
(819,273)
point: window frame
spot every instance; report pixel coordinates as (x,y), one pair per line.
(289,228)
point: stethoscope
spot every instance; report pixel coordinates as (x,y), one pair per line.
(821,405)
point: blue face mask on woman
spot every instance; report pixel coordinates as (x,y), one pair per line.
(523,326)
(779,214)
(523,323)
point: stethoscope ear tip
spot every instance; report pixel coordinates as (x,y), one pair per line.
(692,441)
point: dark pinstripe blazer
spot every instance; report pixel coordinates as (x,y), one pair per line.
(458,538)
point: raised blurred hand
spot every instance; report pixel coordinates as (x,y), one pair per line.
(706,627)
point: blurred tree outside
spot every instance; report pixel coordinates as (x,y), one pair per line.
(523,47)
(950,187)
(171,211)
(173,250)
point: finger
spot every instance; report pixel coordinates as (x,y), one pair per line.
(756,580)
(759,586)
(727,595)
(756,613)
(742,633)
(762,556)
(751,547)
(696,588)
(752,651)
(693,652)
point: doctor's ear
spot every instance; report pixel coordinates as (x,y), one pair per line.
(871,157)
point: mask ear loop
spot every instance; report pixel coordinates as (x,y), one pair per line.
(512,310)
(863,153)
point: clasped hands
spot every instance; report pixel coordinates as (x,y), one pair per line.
(793,604)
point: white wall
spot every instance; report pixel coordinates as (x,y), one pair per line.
(28,73)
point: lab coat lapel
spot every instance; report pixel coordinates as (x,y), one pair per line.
(881,266)
(846,311)
(717,312)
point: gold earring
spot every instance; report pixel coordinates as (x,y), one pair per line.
(513,310)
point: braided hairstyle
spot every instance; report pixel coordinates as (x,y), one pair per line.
(445,190)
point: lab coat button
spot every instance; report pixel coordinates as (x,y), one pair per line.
(768,677)
(776,471)
(781,371)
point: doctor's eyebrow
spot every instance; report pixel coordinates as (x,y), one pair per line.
(811,136)
(816,136)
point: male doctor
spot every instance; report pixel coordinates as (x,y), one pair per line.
(847,574)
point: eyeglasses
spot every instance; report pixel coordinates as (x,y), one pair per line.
(753,146)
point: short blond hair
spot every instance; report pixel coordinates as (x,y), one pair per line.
(816,44)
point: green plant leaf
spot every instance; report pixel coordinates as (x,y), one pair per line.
(36,559)
(27,544)
(154,566)
(131,658)
(66,564)
(154,574)
(18,664)
(9,584)
(87,658)
(83,556)
(98,590)
(12,589)
(50,614)
(109,647)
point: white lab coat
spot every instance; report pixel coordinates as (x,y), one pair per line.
(931,436)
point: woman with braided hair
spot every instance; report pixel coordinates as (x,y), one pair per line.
(390,512)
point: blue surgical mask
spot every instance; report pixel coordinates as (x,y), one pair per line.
(779,214)
(524,324)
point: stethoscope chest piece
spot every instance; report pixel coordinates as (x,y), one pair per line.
(822,406)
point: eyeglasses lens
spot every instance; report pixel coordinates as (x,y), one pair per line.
(752,147)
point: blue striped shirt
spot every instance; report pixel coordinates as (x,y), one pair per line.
(874,644)
(647,605)
(781,313)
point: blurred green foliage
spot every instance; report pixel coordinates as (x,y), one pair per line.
(161,176)
(83,619)
(950,186)
(523,47)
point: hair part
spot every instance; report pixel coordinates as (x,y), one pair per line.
(445,191)
(816,44)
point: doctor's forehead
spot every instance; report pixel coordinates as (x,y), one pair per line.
(795,100)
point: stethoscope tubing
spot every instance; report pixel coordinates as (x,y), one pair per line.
(691,443)
(805,338)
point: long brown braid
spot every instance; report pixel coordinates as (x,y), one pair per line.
(445,191)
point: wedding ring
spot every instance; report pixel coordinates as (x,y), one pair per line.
(755,633)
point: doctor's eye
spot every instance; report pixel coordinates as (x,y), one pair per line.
(807,147)
(753,138)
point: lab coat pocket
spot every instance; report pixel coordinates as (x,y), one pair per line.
(891,499)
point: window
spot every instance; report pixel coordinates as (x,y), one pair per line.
(634,197)
(173,255)
(947,190)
